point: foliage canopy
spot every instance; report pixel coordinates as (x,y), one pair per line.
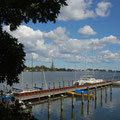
(14,13)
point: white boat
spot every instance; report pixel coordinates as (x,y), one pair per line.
(87,80)
(116,83)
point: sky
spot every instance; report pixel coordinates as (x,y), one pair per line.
(85,35)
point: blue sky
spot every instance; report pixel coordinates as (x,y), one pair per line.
(86,31)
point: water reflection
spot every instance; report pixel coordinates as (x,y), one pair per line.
(72,108)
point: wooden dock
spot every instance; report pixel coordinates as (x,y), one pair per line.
(45,93)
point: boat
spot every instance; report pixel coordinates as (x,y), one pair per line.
(116,83)
(87,80)
(78,93)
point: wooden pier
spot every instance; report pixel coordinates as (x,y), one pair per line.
(50,92)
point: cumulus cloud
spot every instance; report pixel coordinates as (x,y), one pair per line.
(103,9)
(76,10)
(86,31)
(108,56)
(83,9)
(57,45)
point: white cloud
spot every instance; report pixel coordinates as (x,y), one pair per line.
(108,56)
(83,9)
(103,9)
(76,10)
(86,31)
(59,46)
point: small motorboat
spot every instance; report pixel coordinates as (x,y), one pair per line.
(78,93)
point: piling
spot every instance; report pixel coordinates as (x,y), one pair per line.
(68,83)
(72,82)
(72,105)
(101,96)
(63,84)
(62,99)
(95,97)
(88,94)
(88,107)
(49,108)
(42,85)
(111,93)
(27,87)
(105,94)
(82,106)
(59,84)
(53,85)
(82,97)
(49,85)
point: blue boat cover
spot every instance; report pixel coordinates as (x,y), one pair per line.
(38,88)
(80,91)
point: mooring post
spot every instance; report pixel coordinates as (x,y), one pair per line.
(111,93)
(95,97)
(49,84)
(27,87)
(61,107)
(106,90)
(53,85)
(82,97)
(49,108)
(68,83)
(72,82)
(95,92)
(42,85)
(59,84)
(88,107)
(82,106)
(101,96)
(88,93)
(63,84)
(72,99)
(111,89)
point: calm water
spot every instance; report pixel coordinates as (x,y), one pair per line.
(107,108)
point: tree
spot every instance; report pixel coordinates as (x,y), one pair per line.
(11,58)
(13,13)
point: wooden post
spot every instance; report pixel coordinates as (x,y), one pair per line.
(105,94)
(42,85)
(49,108)
(95,97)
(111,93)
(61,117)
(63,84)
(88,93)
(88,107)
(59,84)
(27,87)
(62,99)
(53,85)
(82,97)
(101,96)
(68,83)
(82,106)
(72,82)
(49,84)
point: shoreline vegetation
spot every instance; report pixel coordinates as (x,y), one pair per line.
(41,68)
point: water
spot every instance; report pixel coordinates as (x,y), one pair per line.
(37,78)
(106,108)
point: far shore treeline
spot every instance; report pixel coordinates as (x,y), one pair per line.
(44,68)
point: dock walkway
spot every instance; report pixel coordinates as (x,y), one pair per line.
(45,93)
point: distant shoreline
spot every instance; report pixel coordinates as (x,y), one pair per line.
(44,68)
